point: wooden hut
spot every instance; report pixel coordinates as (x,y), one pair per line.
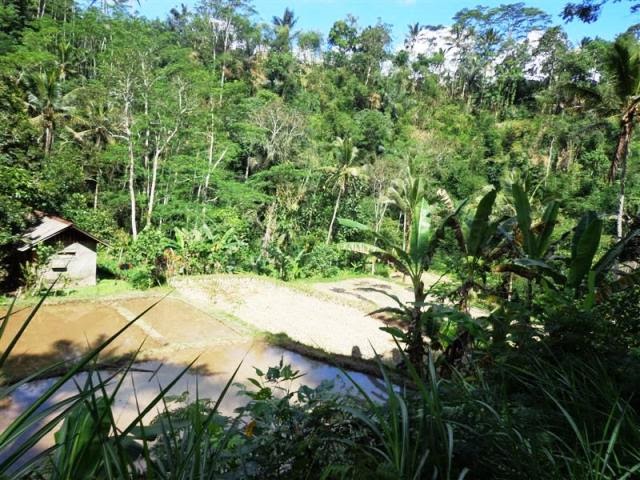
(74,259)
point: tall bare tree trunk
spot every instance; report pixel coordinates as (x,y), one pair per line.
(95,192)
(624,140)
(620,160)
(224,60)
(132,191)
(621,200)
(128,121)
(333,218)
(152,186)
(210,157)
(154,170)
(160,147)
(48,141)
(147,135)
(211,168)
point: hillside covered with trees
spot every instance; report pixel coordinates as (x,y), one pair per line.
(237,145)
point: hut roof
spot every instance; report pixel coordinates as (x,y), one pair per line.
(49,226)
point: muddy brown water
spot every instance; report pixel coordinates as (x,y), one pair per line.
(172,335)
(64,331)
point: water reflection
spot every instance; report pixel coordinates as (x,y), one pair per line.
(207,379)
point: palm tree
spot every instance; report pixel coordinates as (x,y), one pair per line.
(48,105)
(405,193)
(93,130)
(65,62)
(412,36)
(346,168)
(624,63)
(621,99)
(283,27)
(178,18)
(288,19)
(93,126)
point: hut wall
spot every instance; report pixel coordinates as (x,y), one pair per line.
(75,264)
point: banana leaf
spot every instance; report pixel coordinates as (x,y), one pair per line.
(421,233)
(479,231)
(586,240)
(549,219)
(523,215)
(609,259)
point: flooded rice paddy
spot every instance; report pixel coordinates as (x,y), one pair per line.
(171,335)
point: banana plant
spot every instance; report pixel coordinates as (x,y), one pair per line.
(532,240)
(479,244)
(579,266)
(584,246)
(579,275)
(535,238)
(405,193)
(609,262)
(424,238)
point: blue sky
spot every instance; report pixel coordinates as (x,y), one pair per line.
(320,14)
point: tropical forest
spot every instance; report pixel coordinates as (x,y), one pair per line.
(319,240)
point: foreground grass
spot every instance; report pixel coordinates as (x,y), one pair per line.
(532,415)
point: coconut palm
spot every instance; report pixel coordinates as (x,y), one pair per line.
(405,193)
(345,170)
(48,105)
(94,126)
(65,59)
(283,27)
(288,19)
(178,18)
(412,36)
(624,63)
(619,97)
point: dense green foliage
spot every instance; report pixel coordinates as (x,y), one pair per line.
(552,400)
(210,142)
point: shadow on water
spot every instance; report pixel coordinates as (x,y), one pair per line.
(205,380)
(64,353)
(173,334)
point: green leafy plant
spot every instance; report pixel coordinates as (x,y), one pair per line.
(424,238)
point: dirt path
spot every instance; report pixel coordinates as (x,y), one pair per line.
(365,293)
(269,306)
(332,316)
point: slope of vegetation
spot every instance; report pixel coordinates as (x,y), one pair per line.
(209,142)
